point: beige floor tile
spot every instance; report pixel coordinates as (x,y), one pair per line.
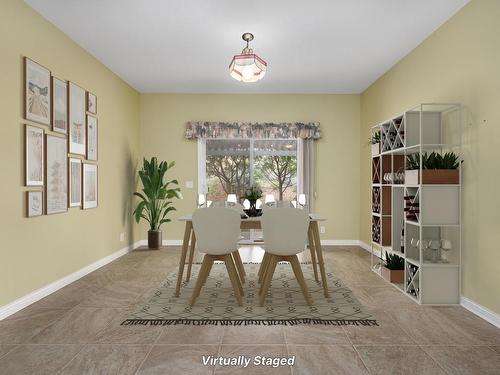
(115,333)
(178,359)
(258,355)
(387,332)
(398,360)
(426,326)
(496,348)
(67,297)
(184,334)
(4,349)
(388,298)
(461,360)
(315,334)
(478,330)
(326,360)
(78,326)
(37,359)
(107,360)
(19,329)
(253,334)
(116,294)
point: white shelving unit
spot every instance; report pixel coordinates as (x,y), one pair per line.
(408,214)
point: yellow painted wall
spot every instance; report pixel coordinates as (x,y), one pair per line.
(163,118)
(460,62)
(37,251)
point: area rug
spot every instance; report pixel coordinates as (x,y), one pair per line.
(285,304)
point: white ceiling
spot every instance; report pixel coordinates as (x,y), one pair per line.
(315,46)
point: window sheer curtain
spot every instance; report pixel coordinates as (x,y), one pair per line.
(305,170)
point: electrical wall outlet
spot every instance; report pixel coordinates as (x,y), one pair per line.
(189,184)
(322,230)
(122,237)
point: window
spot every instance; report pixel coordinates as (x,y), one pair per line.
(228,166)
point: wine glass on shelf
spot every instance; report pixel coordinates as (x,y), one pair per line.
(445,246)
(435,246)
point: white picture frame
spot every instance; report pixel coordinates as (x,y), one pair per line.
(59,106)
(91,103)
(75,182)
(77,126)
(56,174)
(37,92)
(92,138)
(34,143)
(34,203)
(90,184)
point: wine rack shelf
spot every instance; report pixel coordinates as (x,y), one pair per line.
(419,222)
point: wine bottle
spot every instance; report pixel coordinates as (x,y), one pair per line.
(403,238)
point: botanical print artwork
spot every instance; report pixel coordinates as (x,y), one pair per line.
(76,119)
(91,103)
(34,203)
(60,114)
(89,185)
(37,92)
(57,177)
(34,156)
(75,182)
(283,130)
(91,138)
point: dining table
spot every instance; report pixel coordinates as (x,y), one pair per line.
(189,244)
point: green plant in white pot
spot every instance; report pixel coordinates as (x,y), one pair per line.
(156,198)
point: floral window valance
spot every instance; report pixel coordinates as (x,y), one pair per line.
(205,129)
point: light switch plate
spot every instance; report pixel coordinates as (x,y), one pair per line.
(122,237)
(189,184)
(322,230)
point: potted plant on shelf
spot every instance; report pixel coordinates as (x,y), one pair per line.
(155,197)
(393,269)
(375,142)
(436,168)
(253,193)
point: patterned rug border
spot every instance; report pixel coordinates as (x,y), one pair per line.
(243,322)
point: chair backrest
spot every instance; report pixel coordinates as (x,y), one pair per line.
(217,230)
(285,230)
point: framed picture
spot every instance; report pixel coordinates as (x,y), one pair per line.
(90,185)
(56,174)
(34,203)
(76,119)
(75,182)
(91,103)
(37,93)
(91,138)
(33,144)
(59,106)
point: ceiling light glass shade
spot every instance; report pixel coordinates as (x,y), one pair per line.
(247,67)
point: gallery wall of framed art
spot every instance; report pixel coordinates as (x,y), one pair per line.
(60,143)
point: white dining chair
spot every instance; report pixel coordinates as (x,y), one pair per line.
(217,233)
(285,235)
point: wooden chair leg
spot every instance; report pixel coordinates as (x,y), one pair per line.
(300,278)
(231,270)
(199,281)
(263,267)
(204,277)
(268,279)
(312,248)
(191,256)
(264,259)
(239,265)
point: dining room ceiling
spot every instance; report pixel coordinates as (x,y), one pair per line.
(185,46)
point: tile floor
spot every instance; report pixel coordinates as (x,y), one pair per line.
(77,330)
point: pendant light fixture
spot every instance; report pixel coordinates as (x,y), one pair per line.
(247,67)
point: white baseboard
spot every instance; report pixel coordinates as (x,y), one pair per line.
(43,292)
(481,311)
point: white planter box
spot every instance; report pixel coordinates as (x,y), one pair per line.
(375,149)
(411,177)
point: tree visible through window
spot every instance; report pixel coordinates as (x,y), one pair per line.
(232,165)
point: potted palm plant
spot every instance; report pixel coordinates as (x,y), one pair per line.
(375,142)
(436,168)
(393,269)
(156,198)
